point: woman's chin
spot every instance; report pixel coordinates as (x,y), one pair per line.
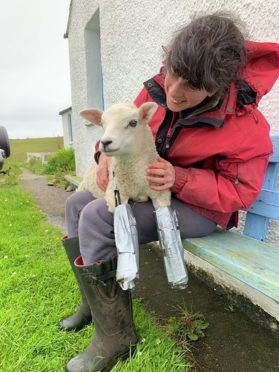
(177,107)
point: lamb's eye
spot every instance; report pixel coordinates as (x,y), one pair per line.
(133,123)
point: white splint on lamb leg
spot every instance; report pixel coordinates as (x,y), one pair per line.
(126,238)
(171,245)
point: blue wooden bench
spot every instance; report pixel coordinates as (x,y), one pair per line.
(73,180)
(243,263)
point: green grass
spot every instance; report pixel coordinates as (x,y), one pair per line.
(61,163)
(38,288)
(19,147)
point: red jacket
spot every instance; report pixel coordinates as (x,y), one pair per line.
(220,150)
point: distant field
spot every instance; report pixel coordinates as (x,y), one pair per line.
(19,147)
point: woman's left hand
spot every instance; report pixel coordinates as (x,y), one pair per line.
(160,174)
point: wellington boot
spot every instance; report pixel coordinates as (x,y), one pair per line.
(115,336)
(82,316)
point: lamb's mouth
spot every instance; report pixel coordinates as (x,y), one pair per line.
(106,151)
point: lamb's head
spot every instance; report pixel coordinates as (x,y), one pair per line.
(124,126)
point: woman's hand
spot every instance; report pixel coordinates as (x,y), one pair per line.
(161,175)
(102,172)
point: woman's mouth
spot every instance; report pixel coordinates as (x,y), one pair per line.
(176,101)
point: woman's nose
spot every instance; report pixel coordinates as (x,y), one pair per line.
(176,88)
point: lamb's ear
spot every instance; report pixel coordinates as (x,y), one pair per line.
(92,115)
(147,110)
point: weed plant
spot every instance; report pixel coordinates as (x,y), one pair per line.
(187,327)
(63,161)
(59,164)
(37,288)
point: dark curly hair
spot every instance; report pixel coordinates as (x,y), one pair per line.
(208,52)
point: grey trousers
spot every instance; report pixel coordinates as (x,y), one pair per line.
(89,219)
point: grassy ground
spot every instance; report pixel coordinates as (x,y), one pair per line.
(56,173)
(37,289)
(19,147)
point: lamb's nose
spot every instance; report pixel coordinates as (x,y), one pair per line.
(106,143)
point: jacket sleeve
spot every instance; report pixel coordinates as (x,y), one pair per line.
(142,97)
(232,186)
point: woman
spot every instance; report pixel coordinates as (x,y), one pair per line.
(214,146)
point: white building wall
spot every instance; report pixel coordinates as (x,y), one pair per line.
(68,141)
(65,130)
(132,33)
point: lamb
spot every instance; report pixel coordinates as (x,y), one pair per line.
(128,140)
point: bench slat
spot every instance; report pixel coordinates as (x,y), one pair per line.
(256,226)
(271,176)
(275,157)
(74,180)
(267,204)
(250,261)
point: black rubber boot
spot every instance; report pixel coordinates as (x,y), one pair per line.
(82,316)
(115,336)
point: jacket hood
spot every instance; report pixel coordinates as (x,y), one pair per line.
(262,67)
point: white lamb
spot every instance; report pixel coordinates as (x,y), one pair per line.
(128,140)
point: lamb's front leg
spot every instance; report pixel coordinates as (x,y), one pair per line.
(161,199)
(126,240)
(171,245)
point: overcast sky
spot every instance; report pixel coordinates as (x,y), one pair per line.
(34,67)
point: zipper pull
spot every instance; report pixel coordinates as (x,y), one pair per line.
(167,142)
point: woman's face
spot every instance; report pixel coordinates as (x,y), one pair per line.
(180,96)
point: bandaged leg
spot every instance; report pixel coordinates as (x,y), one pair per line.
(126,239)
(171,245)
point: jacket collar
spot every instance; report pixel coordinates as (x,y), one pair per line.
(212,112)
